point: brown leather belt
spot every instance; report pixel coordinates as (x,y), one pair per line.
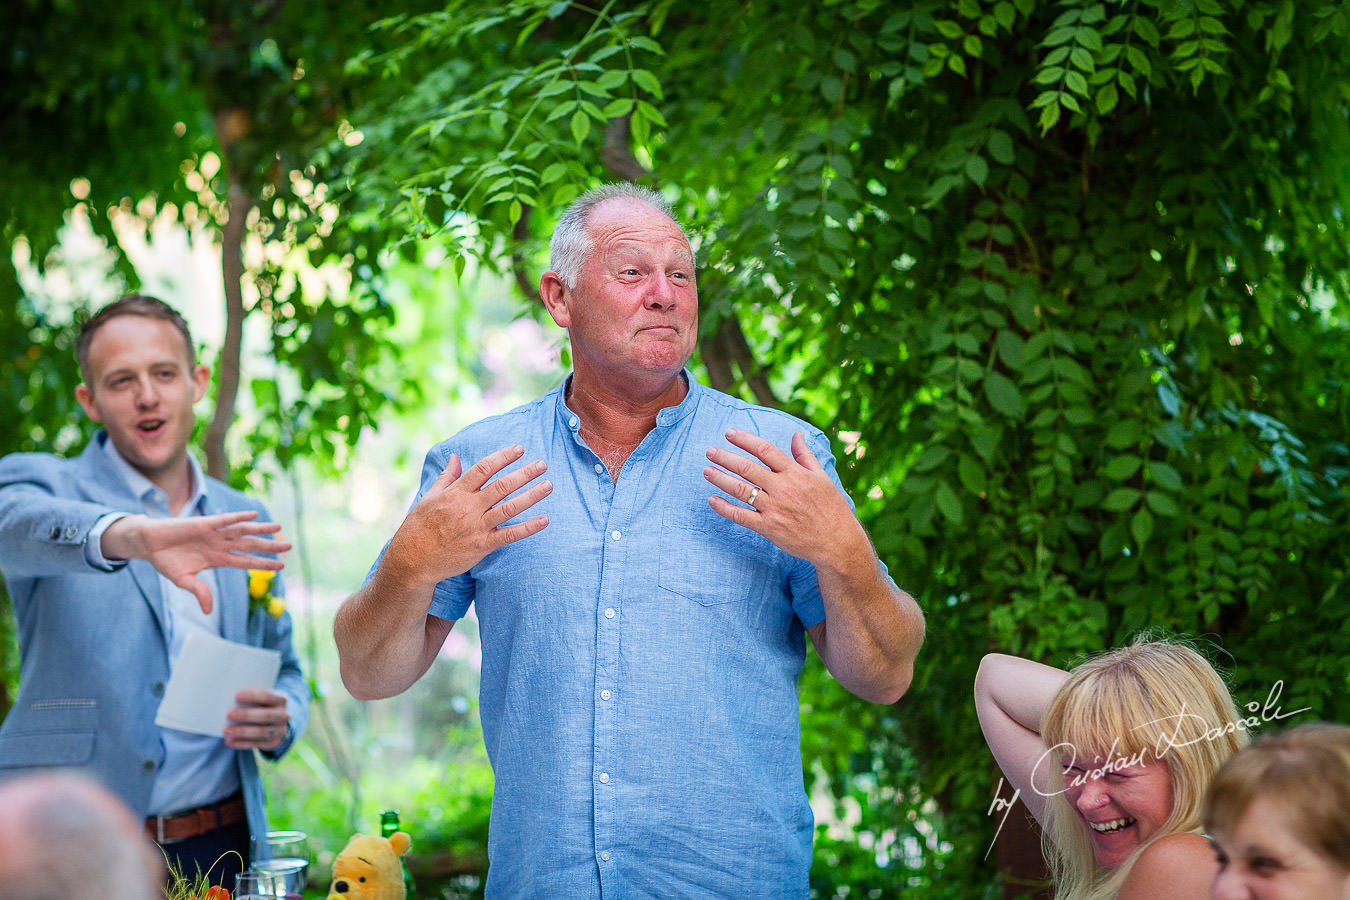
(196,822)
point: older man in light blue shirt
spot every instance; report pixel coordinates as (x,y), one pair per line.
(640,654)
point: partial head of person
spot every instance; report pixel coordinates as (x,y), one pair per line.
(622,281)
(1137,733)
(1279,815)
(140,381)
(65,837)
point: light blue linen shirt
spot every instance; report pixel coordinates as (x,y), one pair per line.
(640,657)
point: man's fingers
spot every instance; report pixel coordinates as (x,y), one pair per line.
(514,480)
(199,590)
(739,488)
(450,474)
(249,561)
(746,468)
(762,449)
(511,507)
(480,472)
(803,455)
(512,533)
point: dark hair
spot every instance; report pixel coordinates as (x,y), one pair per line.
(131,305)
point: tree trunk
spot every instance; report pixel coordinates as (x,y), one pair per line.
(238,205)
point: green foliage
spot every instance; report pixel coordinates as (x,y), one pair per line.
(1074,277)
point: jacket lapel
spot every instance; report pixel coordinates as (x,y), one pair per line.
(231,583)
(104,484)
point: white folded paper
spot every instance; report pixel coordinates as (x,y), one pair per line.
(206,675)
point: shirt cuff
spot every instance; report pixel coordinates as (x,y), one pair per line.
(93,544)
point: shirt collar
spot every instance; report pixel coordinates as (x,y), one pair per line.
(139,485)
(668,416)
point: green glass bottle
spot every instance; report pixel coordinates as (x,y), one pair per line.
(388,825)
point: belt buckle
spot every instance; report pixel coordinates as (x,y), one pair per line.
(159,830)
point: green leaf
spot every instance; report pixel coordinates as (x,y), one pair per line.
(1000,147)
(1010,349)
(1120,499)
(581,126)
(1162,504)
(1122,467)
(1164,476)
(1141,526)
(1003,395)
(977,170)
(1124,433)
(971,473)
(948,503)
(1106,99)
(646,81)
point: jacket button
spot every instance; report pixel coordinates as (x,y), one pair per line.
(147,766)
(71,531)
(54,534)
(158,689)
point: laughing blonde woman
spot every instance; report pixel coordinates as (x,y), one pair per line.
(1113,759)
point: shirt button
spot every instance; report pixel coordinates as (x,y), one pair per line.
(616,534)
(158,689)
(572,422)
(604,854)
(604,778)
(604,695)
(599,468)
(147,766)
(71,531)
(609,613)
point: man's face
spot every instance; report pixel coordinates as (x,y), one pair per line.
(141,386)
(634,311)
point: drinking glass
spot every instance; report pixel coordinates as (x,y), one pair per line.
(254,884)
(286,854)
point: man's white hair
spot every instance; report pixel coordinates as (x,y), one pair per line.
(571,244)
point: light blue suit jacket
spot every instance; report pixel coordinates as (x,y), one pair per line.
(93,645)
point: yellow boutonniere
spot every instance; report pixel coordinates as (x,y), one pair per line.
(260,594)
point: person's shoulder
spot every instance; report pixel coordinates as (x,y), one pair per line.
(36,466)
(1177,865)
(498,430)
(765,420)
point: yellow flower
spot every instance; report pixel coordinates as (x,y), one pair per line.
(259,583)
(275,606)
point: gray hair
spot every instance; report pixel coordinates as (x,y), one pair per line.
(72,843)
(571,244)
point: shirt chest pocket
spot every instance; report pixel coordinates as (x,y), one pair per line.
(711,560)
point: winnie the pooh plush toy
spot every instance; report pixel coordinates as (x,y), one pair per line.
(369,868)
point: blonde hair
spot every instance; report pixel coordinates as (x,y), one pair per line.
(1308,769)
(1158,700)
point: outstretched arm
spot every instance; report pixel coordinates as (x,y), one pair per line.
(1011,697)
(872,630)
(385,636)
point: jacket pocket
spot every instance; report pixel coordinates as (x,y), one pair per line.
(56,732)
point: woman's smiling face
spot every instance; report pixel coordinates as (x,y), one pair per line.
(1121,806)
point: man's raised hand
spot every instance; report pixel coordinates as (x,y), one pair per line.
(179,549)
(461,518)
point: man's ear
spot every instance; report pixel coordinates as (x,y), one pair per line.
(86,398)
(201,379)
(556,297)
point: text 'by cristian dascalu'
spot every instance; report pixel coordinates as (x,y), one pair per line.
(1261,713)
